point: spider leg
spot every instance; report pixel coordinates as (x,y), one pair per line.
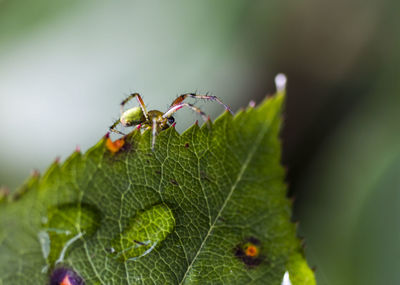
(154,131)
(113,129)
(178,106)
(182,97)
(140,101)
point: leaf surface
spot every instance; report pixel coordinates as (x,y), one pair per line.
(205,207)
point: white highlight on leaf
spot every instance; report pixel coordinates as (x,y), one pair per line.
(67,244)
(58,231)
(44,241)
(137,245)
(45,268)
(286,279)
(44,220)
(146,252)
(280,82)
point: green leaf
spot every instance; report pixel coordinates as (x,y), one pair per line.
(205,207)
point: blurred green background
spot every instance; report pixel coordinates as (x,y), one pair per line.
(66,65)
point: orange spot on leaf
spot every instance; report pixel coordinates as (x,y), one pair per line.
(114,146)
(251,250)
(66,281)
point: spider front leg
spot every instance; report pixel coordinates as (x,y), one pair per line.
(140,101)
(154,132)
(178,106)
(182,97)
(114,130)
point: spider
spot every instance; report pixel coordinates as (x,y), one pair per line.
(157,120)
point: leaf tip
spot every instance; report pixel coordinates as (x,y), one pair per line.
(292,200)
(35,173)
(29,183)
(303,242)
(78,149)
(4,193)
(228,110)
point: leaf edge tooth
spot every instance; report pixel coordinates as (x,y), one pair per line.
(70,160)
(31,182)
(4,194)
(51,171)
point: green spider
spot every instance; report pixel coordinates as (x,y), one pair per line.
(157,120)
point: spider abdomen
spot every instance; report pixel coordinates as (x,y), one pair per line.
(133,116)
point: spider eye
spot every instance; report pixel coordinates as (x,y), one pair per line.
(171,120)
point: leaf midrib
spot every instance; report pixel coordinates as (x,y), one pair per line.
(251,153)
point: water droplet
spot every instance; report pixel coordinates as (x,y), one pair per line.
(146,230)
(280,82)
(64,276)
(63,227)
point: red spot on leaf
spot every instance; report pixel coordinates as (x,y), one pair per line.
(66,281)
(248,252)
(251,250)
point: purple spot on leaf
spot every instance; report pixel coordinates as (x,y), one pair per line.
(65,276)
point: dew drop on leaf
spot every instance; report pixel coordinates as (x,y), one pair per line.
(146,230)
(63,227)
